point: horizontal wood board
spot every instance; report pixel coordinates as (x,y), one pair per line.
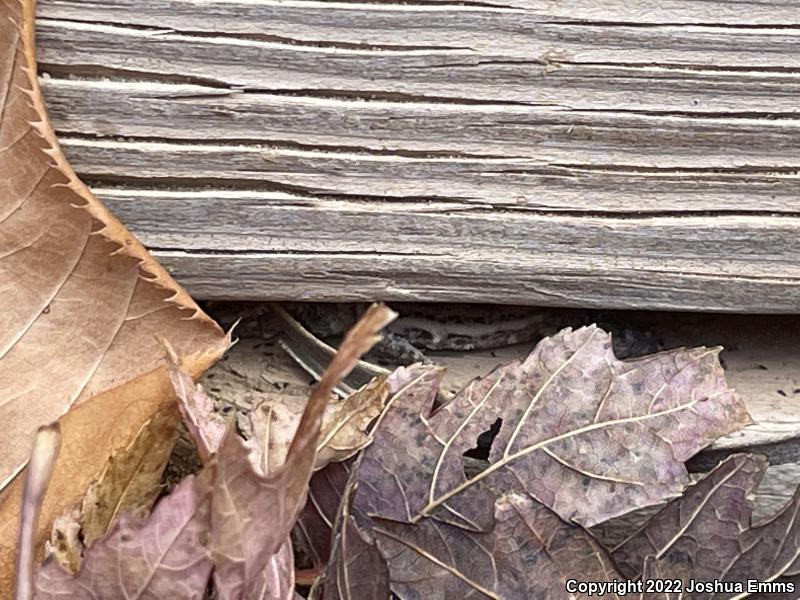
(600,154)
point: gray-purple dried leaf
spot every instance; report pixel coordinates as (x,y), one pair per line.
(163,556)
(665,575)
(314,527)
(529,553)
(586,434)
(313,530)
(356,568)
(253,512)
(206,427)
(693,528)
(706,535)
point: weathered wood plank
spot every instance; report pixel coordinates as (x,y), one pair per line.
(365,276)
(461,181)
(512,151)
(604,77)
(463,235)
(541,135)
(537,134)
(394,29)
(272,244)
(293,17)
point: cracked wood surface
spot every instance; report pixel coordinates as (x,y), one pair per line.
(516,151)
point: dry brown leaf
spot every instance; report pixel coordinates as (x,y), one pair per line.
(82,302)
(129,483)
(313,530)
(206,427)
(529,553)
(130,480)
(356,568)
(243,540)
(345,424)
(314,527)
(270,426)
(344,432)
(706,521)
(654,569)
(707,535)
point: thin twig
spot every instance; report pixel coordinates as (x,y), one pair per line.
(40,468)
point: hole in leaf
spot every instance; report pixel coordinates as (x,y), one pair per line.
(485,441)
(477,459)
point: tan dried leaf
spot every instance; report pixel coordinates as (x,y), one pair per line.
(82,302)
(345,425)
(130,480)
(129,483)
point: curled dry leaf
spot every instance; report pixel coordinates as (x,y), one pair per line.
(128,483)
(707,535)
(314,527)
(205,426)
(82,302)
(242,541)
(586,434)
(345,426)
(272,424)
(163,556)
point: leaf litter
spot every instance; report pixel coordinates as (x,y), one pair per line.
(365,525)
(222,510)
